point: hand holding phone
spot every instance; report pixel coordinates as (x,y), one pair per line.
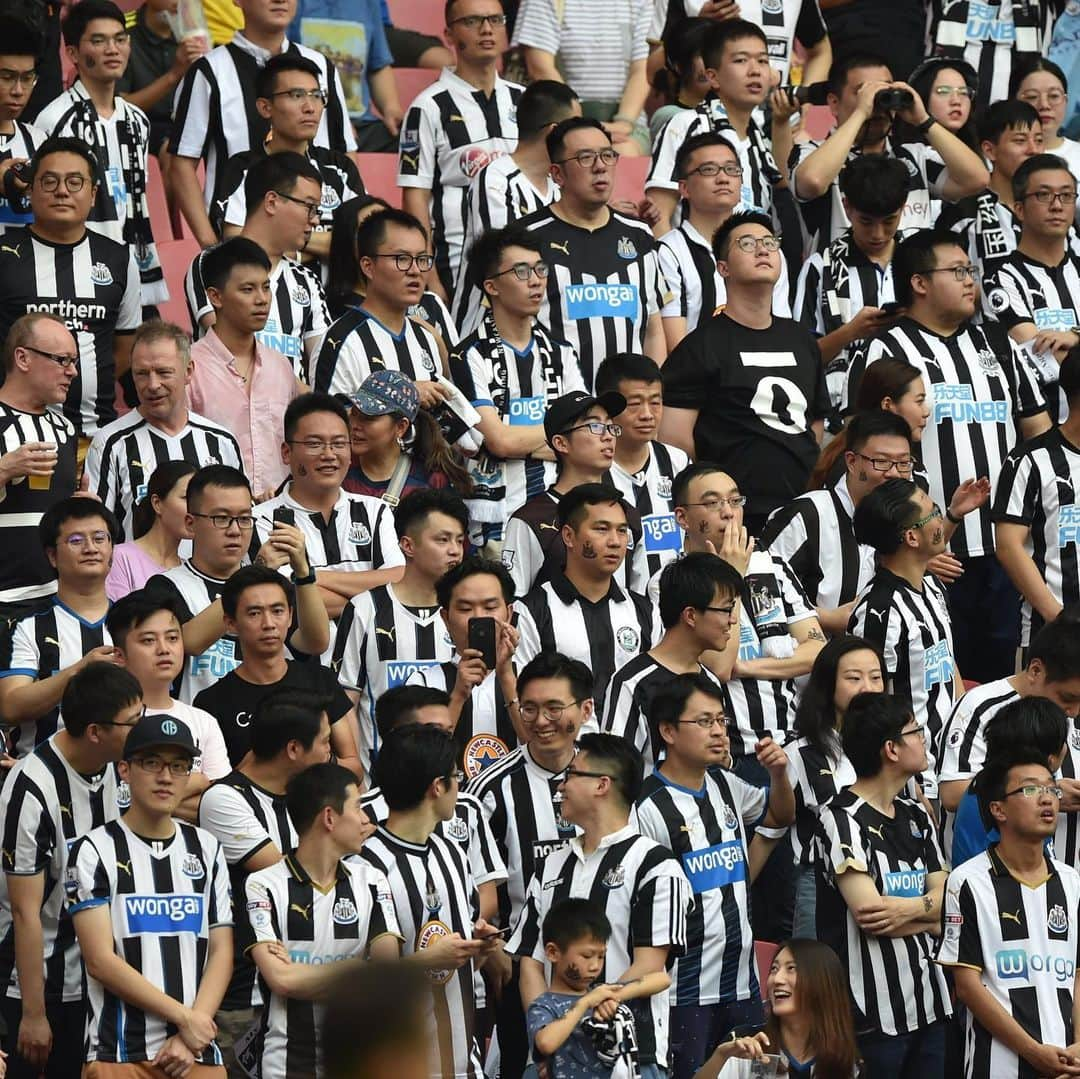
(482,638)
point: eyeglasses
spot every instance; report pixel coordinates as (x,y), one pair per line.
(919,731)
(933,515)
(78,540)
(474,22)
(457,775)
(883,464)
(711,168)
(99,41)
(317,445)
(958,272)
(297,94)
(595,427)
(1047,198)
(552,710)
(1033,97)
(1036,790)
(113,722)
(223,521)
(728,610)
(311,207)
(572,771)
(406,262)
(156,765)
(522,270)
(588,158)
(74,182)
(706,723)
(948,91)
(57,357)
(750,244)
(735,502)
(8,77)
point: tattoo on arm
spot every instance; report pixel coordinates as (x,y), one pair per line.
(928,903)
(815,635)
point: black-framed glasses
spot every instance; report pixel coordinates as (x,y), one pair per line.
(457,775)
(317,445)
(919,730)
(8,77)
(883,464)
(735,502)
(1048,198)
(958,272)
(523,270)
(572,771)
(1036,790)
(588,158)
(596,427)
(934,513)
(729,610)
(156,765)
(474,22)
(706,723)
(750,244)
(553,710)
(73,181)
(312,208)
(298,94)
(714,168)
(223,521)
(57,357)
(406,262)
(113,722)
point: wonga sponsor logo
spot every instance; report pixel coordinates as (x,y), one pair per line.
(602,300)
(910,883)
(399,671)
(715,867)
(526,410)
(164,913)
(1019,964)
(661,533)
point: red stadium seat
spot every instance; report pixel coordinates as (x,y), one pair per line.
(411,81)
(379,173)
(423,15)
(630,178)
(160,219)
(176,256)
(764,950)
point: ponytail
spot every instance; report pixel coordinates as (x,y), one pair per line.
(437,455)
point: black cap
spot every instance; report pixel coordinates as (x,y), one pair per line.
(564,410)
(160,732)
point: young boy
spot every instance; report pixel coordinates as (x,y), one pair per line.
(575,1029)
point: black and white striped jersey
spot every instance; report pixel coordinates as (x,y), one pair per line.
(38,646)
(25,572)
(913,631)
(697,291)
(521,801)
(645,896)
(1067,836)
(649,492)
(121,143)
(962,750)
(93,287)
(432,309)
(123,455)
(450,132)
(245,818)
(605,635)
(814,535)
(165,898)
(1037,488)
(214,113)
(628,701)
(22,143)
(379,644)
(298,316)
(1024,940)
(519,385)
(981,386)
(45,806)
(816,778)
(602,286)
(709,831)
(895,986)
(434,895)
(284,905)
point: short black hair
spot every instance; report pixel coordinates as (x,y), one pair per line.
(692,581)
(20,39)
(80,16)
(883,516)
(131,611)
(720,33)
(544,102)
(556,665)
(875,184)
(65,145)
(574,505)
(214,476)
(486,254)
(1038,163)
(284,716)
(398,706)
(619,759)
(917,254)
(571,920)
(680,485)
(469,567)
(871,720)
(721,241)
(309,792)
(411,759)
(97,694)
(248,577)
(849,62)
(1029,721)
(266,79)
(874,423)
(372,230)
(75,508)
(417,506)
(623,367)
(556,137)
(306,405)
(991,784)
(1057,647)
(1069,376)
(670,699)
(1007,115)
(218,262)
(700,142)
(276,172)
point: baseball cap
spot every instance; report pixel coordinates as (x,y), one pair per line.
(159,732)
(383,392)
(564,410)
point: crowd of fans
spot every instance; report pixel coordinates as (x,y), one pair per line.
(514,628)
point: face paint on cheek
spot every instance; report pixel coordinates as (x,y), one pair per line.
(301,470)
(588,550)
(572,972)
(89,62)
(703,527)
(863,477)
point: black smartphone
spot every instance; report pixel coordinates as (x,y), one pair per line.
(890,309)
(482,638)
(284,515)
(504,932)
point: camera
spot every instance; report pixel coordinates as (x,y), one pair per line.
(893,100)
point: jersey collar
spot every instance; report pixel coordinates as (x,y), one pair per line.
(299,873)
(998,868)
(627,831)
(564,588)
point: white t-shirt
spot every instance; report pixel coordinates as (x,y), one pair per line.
(214,759)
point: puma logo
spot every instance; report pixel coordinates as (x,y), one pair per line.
(563,247)
(332,343)
(1006,916)
(14,250)
(65,809)
(52,640)
(453,118)
(544,524)
(125,866)
(303,911)
(385,632)
(875,831)
(880,614)
(411,159)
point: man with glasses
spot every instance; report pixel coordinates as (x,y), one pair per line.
(511,369)
(705,815)
(38,451)
(89,281)
(59,792)
(283,193)
(986,399)
(764,429)
(635,879)
(18,140)
(290,97)
(455,127)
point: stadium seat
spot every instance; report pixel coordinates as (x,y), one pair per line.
(160,219)
(411,81)
(423,15)
(764,950)
(379,173)
(176,256)
(630,178)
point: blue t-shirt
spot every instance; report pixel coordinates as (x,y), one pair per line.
(577,1057)
(970,836)
(351,34)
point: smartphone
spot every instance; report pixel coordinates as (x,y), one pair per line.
(890,309)
(504,932)
(284,515)
(482,638)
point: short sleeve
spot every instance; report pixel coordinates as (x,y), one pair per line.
(262,920)
(808,296)
(22,654)
(676,282)
(841,843)
(538,26)
(212,749)
(350,644)
(191,114)
(29,837)
(658,909)
(797,606)
(86,881)
(129,317)
(1029,397)
(1018,494)
(960,944)
(688,374)
(1004,300)
(224,813)
(671,136)
(221,911)
(525,940)
(485,859)
(418,148)
(542,1012)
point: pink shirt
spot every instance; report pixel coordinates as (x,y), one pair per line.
(131,568)
(253,412)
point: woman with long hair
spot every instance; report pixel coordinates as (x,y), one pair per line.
(1042,84)
(682,81)
(158,527)
(810,1025)
(948,87)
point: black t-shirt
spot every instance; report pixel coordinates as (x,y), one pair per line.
(232,701)
(756,393)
